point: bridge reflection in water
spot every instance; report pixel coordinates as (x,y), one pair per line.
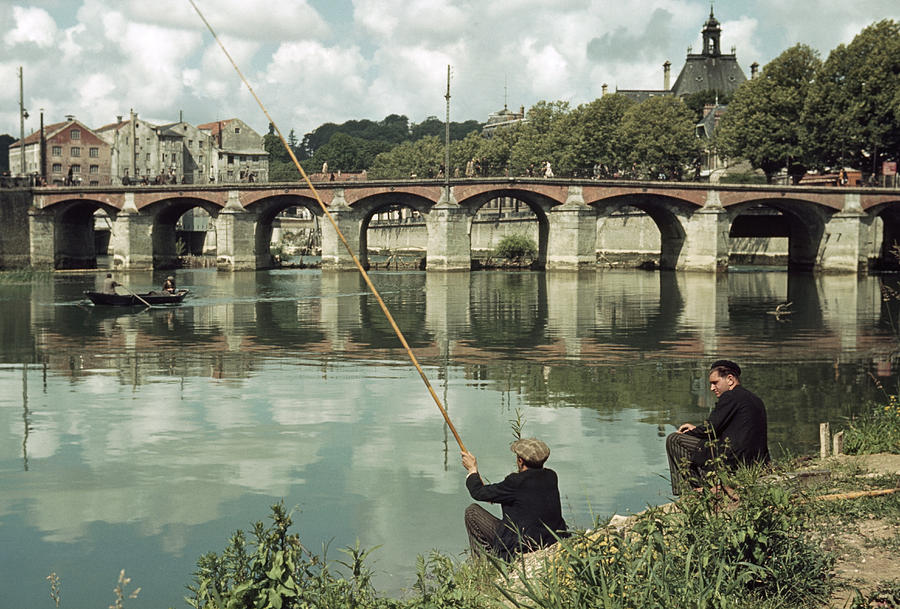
(164,430)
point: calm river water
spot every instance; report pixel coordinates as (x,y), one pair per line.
(140,440)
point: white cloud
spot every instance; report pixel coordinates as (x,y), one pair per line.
(32,25)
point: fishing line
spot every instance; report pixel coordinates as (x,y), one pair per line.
(340,235)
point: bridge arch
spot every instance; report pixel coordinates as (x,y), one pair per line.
(266,212)
(802,222)
(74,237)
(668,213)
(165,214)
(538,203)
(369,207)
(884,236)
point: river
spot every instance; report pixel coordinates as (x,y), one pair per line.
(140,440)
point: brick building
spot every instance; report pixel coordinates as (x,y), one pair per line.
(72,154)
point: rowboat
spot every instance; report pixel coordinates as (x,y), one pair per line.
(135,300)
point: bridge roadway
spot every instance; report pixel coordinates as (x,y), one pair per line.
(829,229)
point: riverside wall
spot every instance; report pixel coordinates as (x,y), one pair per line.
(15,243)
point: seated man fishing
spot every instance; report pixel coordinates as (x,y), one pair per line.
(736,430)
(532,514)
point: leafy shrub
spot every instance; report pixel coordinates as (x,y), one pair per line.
(876,431)
(517,248)
(706,554)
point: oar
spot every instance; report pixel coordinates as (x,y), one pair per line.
(136,296)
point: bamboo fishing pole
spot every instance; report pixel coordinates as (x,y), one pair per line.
(337,230)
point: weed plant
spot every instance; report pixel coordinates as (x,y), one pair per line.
(517,248)
(875,431)
(708,553)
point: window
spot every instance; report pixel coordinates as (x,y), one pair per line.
(173,157)
(231,159)
(56,151)
(75,134)
(148,157)
(57,167)
(190,143)
(75,151)
(95,183)
(76,168)
(94,152)
(95,169)
(237,129)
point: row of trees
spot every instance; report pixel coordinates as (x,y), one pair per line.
(801,113)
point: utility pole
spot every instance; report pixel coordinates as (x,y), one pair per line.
(23,114)
(43,151)
(447,138)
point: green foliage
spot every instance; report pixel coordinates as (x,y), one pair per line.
(702,555)
(764,120)
(876,431)
(742,178)
(659,140)
(699,100)
(348,153)
(518,248)
(275,571)
(852,111)
(421,159)
(886,596)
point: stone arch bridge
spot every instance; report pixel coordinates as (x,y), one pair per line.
(828,228)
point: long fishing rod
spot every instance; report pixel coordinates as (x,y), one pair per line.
(340,235)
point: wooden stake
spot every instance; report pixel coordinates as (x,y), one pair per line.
(824,440)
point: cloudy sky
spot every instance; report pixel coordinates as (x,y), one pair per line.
(314,61)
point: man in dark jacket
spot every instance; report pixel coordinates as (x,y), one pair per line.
(736,430)
(532,513)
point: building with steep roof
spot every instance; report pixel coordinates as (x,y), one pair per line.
(239,153)
(709,70)
(67,152)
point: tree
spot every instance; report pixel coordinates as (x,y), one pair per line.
(347,153)
(537,137)
(852,112)
(763,122)
(658,138)
(594,134)
(421,159)
(281,167)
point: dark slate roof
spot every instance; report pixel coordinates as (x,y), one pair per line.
(707,125)
(640,95)
(708,73)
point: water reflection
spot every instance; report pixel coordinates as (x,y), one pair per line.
(164,430)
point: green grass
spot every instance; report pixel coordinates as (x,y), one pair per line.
(875,431)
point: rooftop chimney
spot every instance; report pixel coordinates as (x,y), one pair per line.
(754,70)
(603,90)
(667,70)
(118,118)
(70,117)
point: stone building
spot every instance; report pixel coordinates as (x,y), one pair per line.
(709,70)
(135,149)
(239,152)
(189,151)
(72,154)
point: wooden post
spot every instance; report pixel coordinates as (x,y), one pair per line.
(824,440)
(837,446)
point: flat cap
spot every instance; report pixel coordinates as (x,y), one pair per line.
(531,450)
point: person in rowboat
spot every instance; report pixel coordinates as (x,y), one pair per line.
(109,284)
(532,514)
(169,285)
(736,430)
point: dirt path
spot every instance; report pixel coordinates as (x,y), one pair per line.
(863,558)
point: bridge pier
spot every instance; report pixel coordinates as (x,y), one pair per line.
(236,247)
(334,255)
(846,243)
(131,241)
(449,239)
(42,238)
(704,244)
(572,238)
